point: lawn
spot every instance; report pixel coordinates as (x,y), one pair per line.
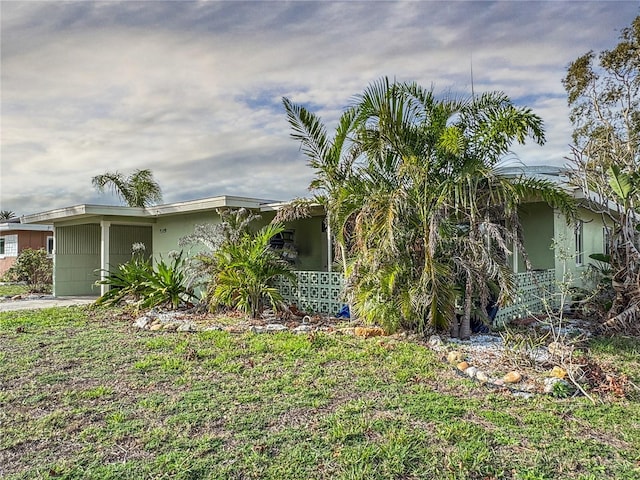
(85,395)
(11,289)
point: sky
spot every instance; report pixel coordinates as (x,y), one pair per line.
(193,90)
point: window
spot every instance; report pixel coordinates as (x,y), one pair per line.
(9,246)
(49,245)
(579,242)
(606,240)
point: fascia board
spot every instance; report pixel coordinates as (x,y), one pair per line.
(212,203)
(22,227)
(83,212)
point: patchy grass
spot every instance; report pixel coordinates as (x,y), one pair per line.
(12,289)
(85,395)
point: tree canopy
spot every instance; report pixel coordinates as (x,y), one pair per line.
(414,198)
(604,95)
(137,190)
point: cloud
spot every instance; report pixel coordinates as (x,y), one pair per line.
(192,90)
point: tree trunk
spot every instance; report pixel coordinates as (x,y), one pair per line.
(465,321)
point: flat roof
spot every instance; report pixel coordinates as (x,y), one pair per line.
(86,211)
(21,227)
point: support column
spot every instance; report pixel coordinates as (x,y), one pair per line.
(329,248)
(104,253)
(515,254)
(53,260)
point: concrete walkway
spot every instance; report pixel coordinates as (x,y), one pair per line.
(33,303)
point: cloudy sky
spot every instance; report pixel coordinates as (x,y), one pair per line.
(192,90)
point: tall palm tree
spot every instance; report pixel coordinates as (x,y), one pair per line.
(442,224)
(137,190)
(423,215)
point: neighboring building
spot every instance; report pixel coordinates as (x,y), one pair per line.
(16,236)
(93,238)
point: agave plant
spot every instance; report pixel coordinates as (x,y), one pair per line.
(164,284)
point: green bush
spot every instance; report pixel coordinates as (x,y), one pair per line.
(34,268)
(244,271)
(165,284)
(238,265)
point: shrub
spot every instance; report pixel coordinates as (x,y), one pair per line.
(34,268)
(149,286)
(238,264)
(244,271)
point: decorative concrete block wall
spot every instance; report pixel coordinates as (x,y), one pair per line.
(533,289)
(313,292)
(321,293)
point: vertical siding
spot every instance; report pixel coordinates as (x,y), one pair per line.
(122,237)
(78,240)
(77,260)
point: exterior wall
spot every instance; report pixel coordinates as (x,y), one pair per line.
(313,292)
(26,239)
(121,239)
(309,239)
(537,220)
(77,260)
(167,231)
(593,242)
(533,289)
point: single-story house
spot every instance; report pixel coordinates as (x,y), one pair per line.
(16,237)
(94,238)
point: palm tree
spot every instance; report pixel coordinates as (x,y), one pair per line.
(137,190)
(332,159)
(423,215)
(441,224)
(243,271)
(6,214)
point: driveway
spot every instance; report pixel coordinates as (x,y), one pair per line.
(35,302)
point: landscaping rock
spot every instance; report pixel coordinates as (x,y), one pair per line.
(558,372)
(303,329)
(275,327)
(471,372)
(462,366)
(512,377)
(368,332)
(435,341)
(482,377)
(455,357)
(187,327)
(170,327)
(142,322)
(155,326)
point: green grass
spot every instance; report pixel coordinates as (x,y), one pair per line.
(83,395)
(12,289)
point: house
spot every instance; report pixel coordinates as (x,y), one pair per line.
(16,236)
(558,250)
(93,238)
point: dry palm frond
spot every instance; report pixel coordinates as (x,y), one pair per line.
(294,210)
